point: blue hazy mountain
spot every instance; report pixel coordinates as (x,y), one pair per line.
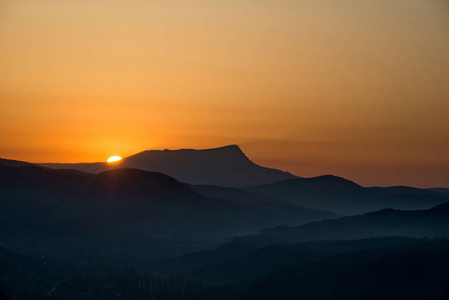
(440,190)
(224,166)
(69,234)
(254,256)
(431,223)
(346,197)
(131,204)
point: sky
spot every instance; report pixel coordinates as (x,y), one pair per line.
(354,88)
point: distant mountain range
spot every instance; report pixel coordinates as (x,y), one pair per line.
(430,223)
(392,232)
(440,190)
(217,172)
(225,166)
(133,204)
(143,205)
(346,197)
(257,233)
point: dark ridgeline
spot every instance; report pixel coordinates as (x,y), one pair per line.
(130,233)
(440,190)
(431,223)
(346,197)
(14,163)
(415,271)
(224,166)
(132,205)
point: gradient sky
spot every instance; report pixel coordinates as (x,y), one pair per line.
(356,88)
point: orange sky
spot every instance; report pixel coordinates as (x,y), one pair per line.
(356,88)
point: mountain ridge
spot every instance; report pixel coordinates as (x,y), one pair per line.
(130,203)
(347,197)
(225,166)
(429,223)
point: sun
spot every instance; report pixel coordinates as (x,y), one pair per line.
(114,159)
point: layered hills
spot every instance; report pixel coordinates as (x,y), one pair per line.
(224,166)
(133,204)
(430,223)
(210,224)
(211,170)
(347,197)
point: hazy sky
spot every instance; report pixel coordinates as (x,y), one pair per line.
(356,88)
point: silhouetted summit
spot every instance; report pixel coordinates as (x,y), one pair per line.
(224,166)
(137,181)
(13,163)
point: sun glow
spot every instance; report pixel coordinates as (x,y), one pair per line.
(114,159)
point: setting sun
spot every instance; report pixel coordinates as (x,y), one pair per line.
(114,159)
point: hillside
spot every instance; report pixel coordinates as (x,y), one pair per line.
(431,223)
(346,197)
(132,205)
(224,166)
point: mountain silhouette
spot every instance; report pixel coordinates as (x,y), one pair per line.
(275,208)
(224,166)
(431,223)
(131,204)
(207,170)
(440,190)
(71,234)
(409,271)
(241,265)
(13,163)
(344,196)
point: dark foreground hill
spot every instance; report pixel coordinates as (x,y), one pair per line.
(13,163)
(24,276)
(224,166)
(409,271)
(346,197)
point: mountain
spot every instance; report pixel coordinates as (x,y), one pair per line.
(130,205)
(68,234)
(431,223)
(344,196)
(358,256)
(440,190)
(322,270)
(224,166)
(243,265)
(272,206)
(410,271)
(13,163)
